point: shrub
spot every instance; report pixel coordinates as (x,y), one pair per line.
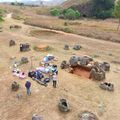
(55,12)
(68,30)
(116,12)
(70,14)
(1,19)
(77,14)
(65,24)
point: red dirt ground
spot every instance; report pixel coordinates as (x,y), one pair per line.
(81,72)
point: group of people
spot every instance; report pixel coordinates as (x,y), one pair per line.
(39,76)
(44,74)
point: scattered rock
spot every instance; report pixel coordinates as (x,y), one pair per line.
(97,73)
(86,115)
(64,65)
(73,61)
(105,66)
(77,47)
(36,117)
(12,43)
(15,26)
(19,96)
(84,60)
(115,62)
(66,47)
(24,60)
(110,54)
(15,86)
(107,86)
(24,47)
(63,105)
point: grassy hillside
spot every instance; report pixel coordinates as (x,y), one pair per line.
(70,3)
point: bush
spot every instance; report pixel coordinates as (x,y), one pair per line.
(1,19)
(77,14)
(68,30)
(104,14)
(55,12)
(71,14)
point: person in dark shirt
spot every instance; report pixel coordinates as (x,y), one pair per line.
(28,85)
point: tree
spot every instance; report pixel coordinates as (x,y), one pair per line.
(77,14)
(55,12)
(102,8)
(12,3)
(71,14)
(116,12)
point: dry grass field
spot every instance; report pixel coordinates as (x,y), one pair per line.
(104,30)
(82,93)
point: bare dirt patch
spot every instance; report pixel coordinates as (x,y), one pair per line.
(81,72)
(39,33)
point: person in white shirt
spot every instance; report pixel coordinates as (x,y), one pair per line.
(54,78)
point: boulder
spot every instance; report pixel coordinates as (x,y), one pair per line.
(77,47)
(12,43)
(64,65)
(97,75)
(15,86)
(36,117)
(73,61)
(107,86)
(105,66)
(24,60)
(86,115)
(66,47)
(84,60)
(63,105)
(24,47)
(15,26)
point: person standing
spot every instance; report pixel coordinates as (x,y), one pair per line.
(54,77)
(28,85)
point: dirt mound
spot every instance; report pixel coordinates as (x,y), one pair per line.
(42,47)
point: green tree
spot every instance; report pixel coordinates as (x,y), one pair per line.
(102,8)
(116,12)
(55,12)
(77,14)
(71,14)
(12,3)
